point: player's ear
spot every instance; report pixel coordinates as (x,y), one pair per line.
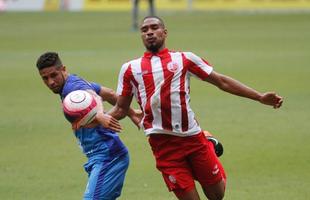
(166,32)
(64,69)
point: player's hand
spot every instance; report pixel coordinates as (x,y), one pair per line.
(108,121)
(136,117)
(272,99)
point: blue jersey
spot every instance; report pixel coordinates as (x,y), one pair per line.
(97,140)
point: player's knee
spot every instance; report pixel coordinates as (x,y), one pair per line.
(215,195)
(216,191)
(218,196)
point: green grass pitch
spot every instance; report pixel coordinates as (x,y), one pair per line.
(266,150)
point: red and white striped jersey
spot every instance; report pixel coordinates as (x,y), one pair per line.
(161,83)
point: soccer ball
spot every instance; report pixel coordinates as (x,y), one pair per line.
(80,107)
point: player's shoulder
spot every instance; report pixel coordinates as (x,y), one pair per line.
(132,63)
(74,82)
(75,79)
(188,53)
(183,53)
(191,56)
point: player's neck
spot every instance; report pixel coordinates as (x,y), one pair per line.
(157,51)
(161,48)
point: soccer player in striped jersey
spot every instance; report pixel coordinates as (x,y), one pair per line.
(108,157)
(159,80)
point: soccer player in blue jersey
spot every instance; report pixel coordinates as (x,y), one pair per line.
(108,157)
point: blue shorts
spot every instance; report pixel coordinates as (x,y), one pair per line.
(105,178)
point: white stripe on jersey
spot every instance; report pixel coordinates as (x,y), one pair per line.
(155,99)
(176,111)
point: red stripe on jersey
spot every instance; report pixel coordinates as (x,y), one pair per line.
(148,79)
(127,87)
(183,96)
(165,94)
(193,68)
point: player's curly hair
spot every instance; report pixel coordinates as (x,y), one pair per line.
(48,59)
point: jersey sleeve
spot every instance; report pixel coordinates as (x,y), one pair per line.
(197,66)
(124,86)
(96,87)
(77,83)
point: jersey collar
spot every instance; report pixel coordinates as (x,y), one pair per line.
(162,54)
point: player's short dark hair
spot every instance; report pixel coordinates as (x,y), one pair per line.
(156,17)
(48,59)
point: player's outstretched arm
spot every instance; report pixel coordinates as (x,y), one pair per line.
(235,87)
(110,96)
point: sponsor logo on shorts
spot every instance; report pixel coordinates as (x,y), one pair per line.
(215,170)
(172,179)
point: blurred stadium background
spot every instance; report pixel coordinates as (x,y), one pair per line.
(263,43)
(90,5)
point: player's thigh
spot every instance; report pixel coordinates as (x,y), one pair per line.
(178,177)
(208,171)
(106,179)
(207,168)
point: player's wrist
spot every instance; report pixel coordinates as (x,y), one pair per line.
(259,97)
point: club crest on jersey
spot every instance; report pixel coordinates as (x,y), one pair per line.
(172,66)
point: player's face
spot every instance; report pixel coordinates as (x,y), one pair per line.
(153,34)
(54,78)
